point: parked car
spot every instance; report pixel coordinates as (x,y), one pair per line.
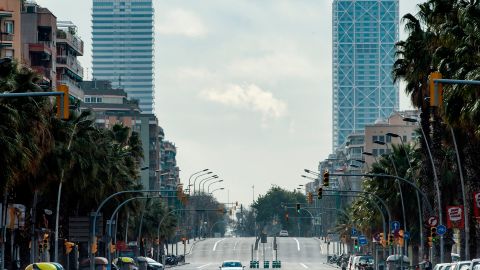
(125,263)
(363,263)
(474,264)
(283,233)
(146,263)
(441,266)
(461,265)
(231,265)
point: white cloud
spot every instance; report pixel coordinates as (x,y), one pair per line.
(180,22)
(249,97)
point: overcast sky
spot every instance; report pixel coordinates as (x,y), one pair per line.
(242,87)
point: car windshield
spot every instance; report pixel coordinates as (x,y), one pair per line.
(232,264)
(364,260)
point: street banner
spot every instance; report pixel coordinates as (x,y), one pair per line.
(476,205)
(455,217)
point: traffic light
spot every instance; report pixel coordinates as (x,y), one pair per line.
(45,239)
(310,197)
(286,217)
(236,203)
(112,248)
(326,180)
(430,241)
(433,232)
(391,239)
(66,102)
(382,240)
(401,240)
(298,208)
(94,246)
(68,246)
(320,193)
(184,240)
(436,97)
(355,244)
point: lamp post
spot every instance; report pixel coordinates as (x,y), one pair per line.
(190,178)
(216,190)
(204,182)
(436,183)
(398,185)
(420,218)
(196,177)
(201,181)
(208,187)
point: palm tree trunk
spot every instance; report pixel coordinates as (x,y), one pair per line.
(3,220)
(34,218)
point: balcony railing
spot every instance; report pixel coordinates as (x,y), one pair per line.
(6,37)
(72,40)
(70,63)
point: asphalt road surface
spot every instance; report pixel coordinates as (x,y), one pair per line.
(295,253)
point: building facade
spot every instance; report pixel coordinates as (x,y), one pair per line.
(10,26)
(364,35)
(39,28)
(111,106)
(69,47)
(122,40)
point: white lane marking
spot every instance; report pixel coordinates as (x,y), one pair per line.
(200,267)
(298,244)
(216,243)
(235,246)
(304,266)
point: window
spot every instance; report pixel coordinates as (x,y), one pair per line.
(87,100)
(404,138)
(381,138)
(374,138)
(389,139)
(9,27)
(375,152)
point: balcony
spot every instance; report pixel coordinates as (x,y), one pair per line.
(71,65)
(41,46)
(72,40)
(6,40)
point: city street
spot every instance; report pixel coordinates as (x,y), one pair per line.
(294,253)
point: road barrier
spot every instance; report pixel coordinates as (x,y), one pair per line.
(266,264)
(276,264)
(254,264)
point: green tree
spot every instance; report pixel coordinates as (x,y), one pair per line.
(270,212)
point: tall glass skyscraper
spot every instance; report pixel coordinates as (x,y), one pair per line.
(364,35)
(123,41)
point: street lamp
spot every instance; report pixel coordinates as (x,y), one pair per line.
(436,182)
(208,178)
(203,186)
(312,172)
(398,185)
(420,218)
(216,190)
(208,187)
(190,178)
(196,177)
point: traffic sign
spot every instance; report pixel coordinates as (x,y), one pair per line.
(376,237)
(441,229)
(362,240)
(432,221)
(395,226)
(406,235)
(354,232)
